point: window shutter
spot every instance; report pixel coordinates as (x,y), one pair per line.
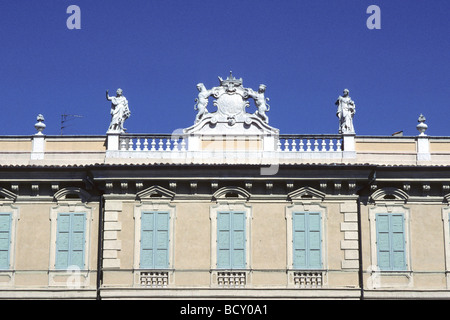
(238,240)
(231,240)
(70,240)
(5,239)
(398,243)
(154,240)
(383,242)
(307,240)
(223,240)
(162,240)
(62,241)
(315,241)
(391,253)
(78,240)
(299,241)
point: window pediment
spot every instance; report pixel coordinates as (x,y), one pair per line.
(231,193)
(72,193)
(389,195)
(7,195)
(155,193)
(306,194)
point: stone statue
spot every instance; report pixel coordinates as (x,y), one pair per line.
(345,112)
(119,111)
(202,101)
(260,102)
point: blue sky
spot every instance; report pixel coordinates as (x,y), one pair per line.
(306,52)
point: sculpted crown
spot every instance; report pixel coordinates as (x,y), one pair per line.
(230,81)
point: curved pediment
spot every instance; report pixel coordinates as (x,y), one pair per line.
(306,193)
(72,193)
(389,194)
(155,193)
(231,193)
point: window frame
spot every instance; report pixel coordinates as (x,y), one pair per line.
(308,249)
(71,239)
(232,206)
(154,236)
(378,276)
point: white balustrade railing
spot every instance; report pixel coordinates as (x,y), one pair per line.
(150,143)
(176,147)
(285,143)
(309,143)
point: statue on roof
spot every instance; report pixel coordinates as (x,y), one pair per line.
(260,102)
(345,112)
(202,101)
(119,112)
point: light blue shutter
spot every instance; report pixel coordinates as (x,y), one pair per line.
(299,240)
(76,257)
(231,240)
(154,240)
(62,241)
(391,253)
(70,240)
(223,240)
(307,240)
(162,240)
(5,239)
(238,240)
(314,241)
(398,242)
(147,231)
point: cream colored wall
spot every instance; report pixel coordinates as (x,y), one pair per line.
(15,145)
(268,237)
(192,244)
(192,248)
(386,147)
(439,147)
(75,145)
(425,245)
(33,237)
(32,246)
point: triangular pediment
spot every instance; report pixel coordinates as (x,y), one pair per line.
(155,193)
(305,194)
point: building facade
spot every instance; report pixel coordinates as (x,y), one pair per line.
(229,208)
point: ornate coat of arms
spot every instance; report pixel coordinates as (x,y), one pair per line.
(231,100)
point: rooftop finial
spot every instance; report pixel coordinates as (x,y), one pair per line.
(422,127)
(40,126)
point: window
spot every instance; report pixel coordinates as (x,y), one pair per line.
(154,251)
(231,240)
(5,240)
(391,253)
(70,240)
(307,240)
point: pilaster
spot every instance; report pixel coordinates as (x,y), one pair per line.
(350,229)
(112,226)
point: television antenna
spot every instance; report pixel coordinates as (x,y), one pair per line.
(67,117)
